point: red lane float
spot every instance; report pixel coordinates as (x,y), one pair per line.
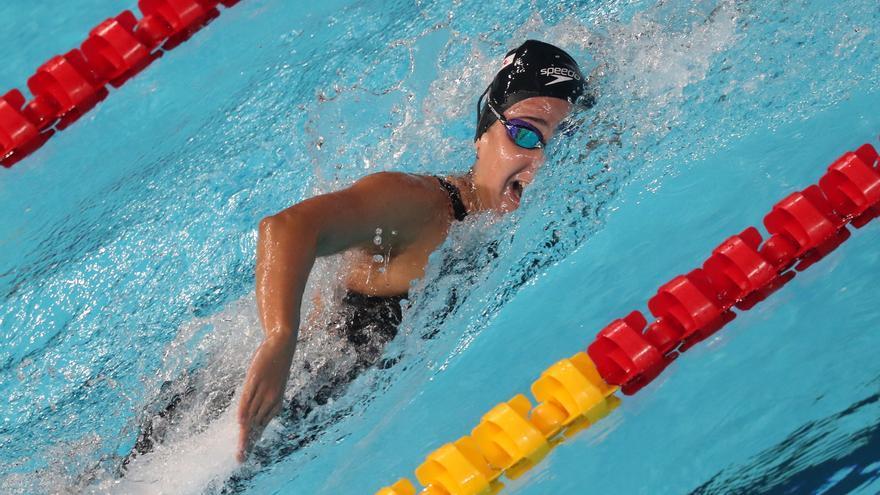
(177,20)
(624,357)
(66,86)
(737,268)
(62,85)
(804,218)
(687,309)
(178,15)
(17,132)
(804,227)
(15,129)
(114,51)
(851,184)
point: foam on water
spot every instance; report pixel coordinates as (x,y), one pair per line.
(202,462)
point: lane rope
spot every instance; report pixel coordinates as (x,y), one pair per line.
(629,353)
(67,86)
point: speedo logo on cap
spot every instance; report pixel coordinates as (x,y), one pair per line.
(508,60)
(560,74)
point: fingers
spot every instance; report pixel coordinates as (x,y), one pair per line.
(244,405)
(268,409)
(275,410)
(249,391)
(252,397)
(245,418)
(253,421)
(248,436)
(249,433)
(243,441)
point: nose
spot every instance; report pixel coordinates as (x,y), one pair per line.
(530,168)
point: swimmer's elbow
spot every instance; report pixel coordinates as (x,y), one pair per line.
(267,225)
(270,226)
(289,224)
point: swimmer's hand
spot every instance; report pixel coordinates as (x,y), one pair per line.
(263,391)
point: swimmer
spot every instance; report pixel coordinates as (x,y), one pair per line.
(406,214)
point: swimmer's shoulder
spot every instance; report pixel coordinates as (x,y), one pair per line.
(405,179)
(415,206)
(405,189)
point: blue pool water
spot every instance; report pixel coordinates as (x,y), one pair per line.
(127,243)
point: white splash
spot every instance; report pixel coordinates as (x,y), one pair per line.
(184,467)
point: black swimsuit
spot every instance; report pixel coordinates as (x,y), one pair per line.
(458,209)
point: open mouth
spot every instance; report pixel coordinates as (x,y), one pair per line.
(517,188)
(515,191)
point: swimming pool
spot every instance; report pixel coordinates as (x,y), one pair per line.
(128,244)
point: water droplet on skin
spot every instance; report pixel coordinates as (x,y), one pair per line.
(377,240)
(378,258)
(378,231)
(382,270)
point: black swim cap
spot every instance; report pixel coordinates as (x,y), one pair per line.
(533,69)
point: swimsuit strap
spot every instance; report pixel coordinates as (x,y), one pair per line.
(458,209)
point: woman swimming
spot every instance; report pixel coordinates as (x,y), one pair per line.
(532,93)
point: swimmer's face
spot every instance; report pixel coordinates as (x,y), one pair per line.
(503,169)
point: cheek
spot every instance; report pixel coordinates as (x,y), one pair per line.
(492,153)
(507,154)
(499,158)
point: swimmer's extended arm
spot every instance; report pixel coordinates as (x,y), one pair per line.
(290,241)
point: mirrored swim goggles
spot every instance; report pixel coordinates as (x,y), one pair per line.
(522,133)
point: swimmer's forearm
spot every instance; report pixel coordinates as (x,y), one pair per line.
(286,252)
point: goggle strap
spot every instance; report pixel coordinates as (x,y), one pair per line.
(480,102)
